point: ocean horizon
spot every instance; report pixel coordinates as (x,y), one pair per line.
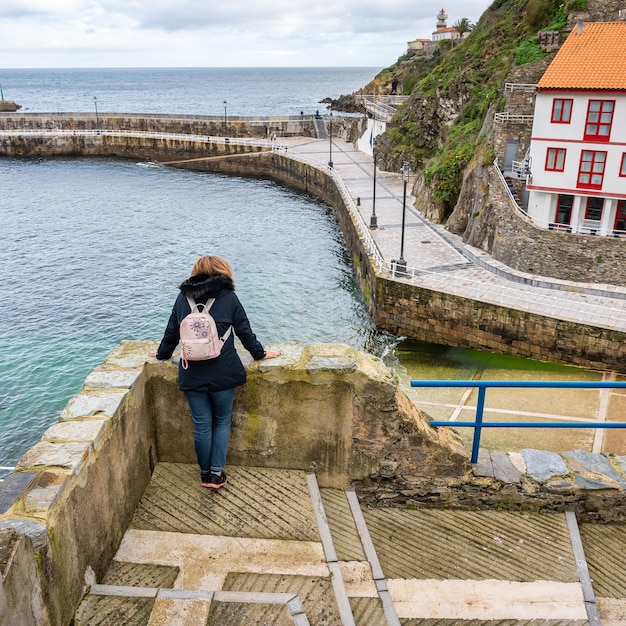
(242,91)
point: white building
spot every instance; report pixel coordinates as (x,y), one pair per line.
(577,179)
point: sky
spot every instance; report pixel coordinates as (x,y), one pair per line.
(217,33)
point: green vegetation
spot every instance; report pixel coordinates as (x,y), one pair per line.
(468,79)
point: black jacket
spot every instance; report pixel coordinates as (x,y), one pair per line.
(226,371)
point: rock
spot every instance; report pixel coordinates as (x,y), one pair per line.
(8,106)
(542,465)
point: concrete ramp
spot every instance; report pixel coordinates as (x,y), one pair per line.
(272,548)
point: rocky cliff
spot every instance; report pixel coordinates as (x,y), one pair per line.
(447,133)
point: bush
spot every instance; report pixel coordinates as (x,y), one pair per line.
(528,51)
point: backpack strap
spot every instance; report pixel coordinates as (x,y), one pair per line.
(206,307)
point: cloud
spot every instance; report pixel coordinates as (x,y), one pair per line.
(100,33)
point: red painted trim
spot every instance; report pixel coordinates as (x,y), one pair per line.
(575,192)
(578,141)
(622,169)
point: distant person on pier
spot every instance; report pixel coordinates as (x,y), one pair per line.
(209,385)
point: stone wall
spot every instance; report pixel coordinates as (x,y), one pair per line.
(261,127)
(521,245)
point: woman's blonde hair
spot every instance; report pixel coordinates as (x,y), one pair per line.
(213,266)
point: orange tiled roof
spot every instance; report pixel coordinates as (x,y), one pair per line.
(593,59)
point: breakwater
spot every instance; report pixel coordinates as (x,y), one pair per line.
(395,305)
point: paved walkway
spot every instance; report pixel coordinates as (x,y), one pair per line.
(443,262)
(272,548)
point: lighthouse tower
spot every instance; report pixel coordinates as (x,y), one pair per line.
(442,19)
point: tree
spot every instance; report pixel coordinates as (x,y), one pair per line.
(463,26)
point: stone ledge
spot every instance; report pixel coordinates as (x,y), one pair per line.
(71,456)
(104,403)
(593,485)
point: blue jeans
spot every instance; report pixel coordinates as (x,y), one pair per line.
(211,413)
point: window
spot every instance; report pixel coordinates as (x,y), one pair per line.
(594,209)
(620,217)
(622,169)
(591,171)
(564,209)
(555,159)
(599,120)
(561,111)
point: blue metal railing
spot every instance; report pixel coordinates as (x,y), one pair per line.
(482,385)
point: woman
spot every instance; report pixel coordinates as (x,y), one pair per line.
(210,385)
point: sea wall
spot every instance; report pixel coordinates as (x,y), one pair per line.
(395,304)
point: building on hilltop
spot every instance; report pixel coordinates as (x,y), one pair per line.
(441,33)
(576,175)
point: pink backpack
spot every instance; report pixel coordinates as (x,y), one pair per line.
(199,339)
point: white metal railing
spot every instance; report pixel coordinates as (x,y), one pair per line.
(528,87)
(219,139)
(505,116)
(381,112)
(385,99)
(519,169)
(5,469)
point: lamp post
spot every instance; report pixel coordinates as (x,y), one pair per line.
(225,120)
(95,103)
(373,218)
(401,262)
(330,137)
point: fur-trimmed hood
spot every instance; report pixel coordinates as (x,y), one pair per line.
(203,286)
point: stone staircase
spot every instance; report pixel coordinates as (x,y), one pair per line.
(272,548)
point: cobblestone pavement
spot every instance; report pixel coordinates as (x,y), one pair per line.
(442,261)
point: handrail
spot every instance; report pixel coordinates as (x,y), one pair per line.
(528,87)
(505,116)
(6,469)
(478,424)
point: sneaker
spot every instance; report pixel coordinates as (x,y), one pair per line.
(217,480)
(205,479)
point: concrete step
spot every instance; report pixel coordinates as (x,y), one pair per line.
(272,548)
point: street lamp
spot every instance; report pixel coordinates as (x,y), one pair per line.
(401,263)
(373,218)
(225,120)
(95,103)
(330,137)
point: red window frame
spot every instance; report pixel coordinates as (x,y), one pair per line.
(599,120)
(600,209)
(562,113)
(622,169)
(552,159)
(620,216)
(591,169)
